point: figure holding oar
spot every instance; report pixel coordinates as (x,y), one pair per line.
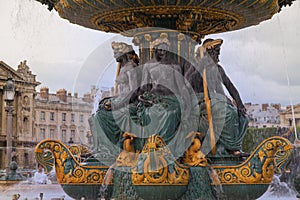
(226,123)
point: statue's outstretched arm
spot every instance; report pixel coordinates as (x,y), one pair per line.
(232,90)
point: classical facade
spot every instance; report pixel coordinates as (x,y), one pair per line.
(23,138)
(40,115)
(286,116)
(263,115)
(62,116)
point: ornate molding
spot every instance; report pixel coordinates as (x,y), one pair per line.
(197,18)
(269,157)
(200,21)
(51,153)
(157,166)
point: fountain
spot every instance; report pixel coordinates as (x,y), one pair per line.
(158,148)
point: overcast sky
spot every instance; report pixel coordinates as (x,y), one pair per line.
(262,61)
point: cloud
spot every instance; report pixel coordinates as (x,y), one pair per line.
(261,60)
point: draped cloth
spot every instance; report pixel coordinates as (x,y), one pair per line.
(165,112)
(229,127)
(162,118)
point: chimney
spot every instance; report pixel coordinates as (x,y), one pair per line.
(264,106)
(93,92)
(44,92)
(76,95)
(87,98)
(69,94)
(62,94)
(277,106)
(248,104)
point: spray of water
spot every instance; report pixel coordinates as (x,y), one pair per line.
(106,180)
(288,81)
(279,190)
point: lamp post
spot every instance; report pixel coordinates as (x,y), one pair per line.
(9,94)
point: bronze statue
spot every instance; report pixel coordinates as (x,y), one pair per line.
(166,101)
(114,115)
(161,108)
(228,122)
(128,78)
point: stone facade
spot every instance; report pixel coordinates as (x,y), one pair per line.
(40,115)
(286,116)
(62,116)
(264,115)
(23,138)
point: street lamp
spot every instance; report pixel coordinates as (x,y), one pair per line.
(9,95)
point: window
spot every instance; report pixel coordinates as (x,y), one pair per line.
(72,117)
(26,159)
(81,118)
(52,116)
(81,133)
(26,124)
(42,134)
(63,117)
(51,133)
(42,115)
(73,134)
(63,135)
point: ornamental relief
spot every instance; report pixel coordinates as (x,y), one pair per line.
(203,21)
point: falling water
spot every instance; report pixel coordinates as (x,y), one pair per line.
(103,192)
(288,82)
(279,190)
(292,106)
(215,180)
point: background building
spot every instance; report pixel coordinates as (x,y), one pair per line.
(40,115)
(286,116)
(263,115)
(62,116)
(23,138)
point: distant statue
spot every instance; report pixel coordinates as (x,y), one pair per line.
(13,175)
(228,117)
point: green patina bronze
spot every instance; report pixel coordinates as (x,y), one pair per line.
(13,174)
(196,18)
(155,124)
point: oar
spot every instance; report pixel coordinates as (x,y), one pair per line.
(209,45)
(117,74)
(209,114)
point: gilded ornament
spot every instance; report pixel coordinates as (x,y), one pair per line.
(147,37)
(64,3)
(180,36)
(68,168)
(270,156)
(193,155)
(157,166)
